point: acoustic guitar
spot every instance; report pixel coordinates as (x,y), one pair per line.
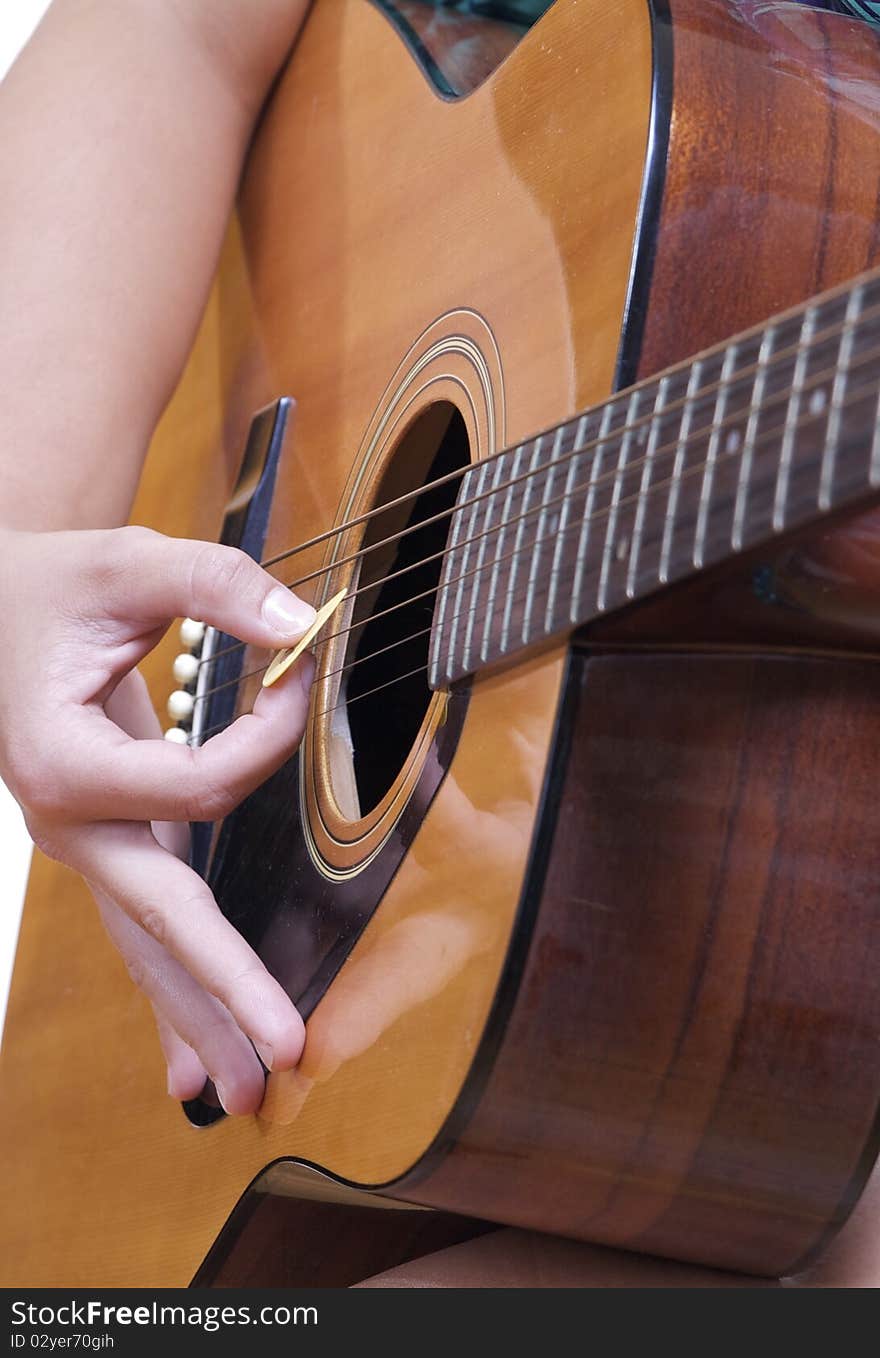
(576,872)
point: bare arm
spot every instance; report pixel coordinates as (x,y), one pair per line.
(122,131)
(124,124)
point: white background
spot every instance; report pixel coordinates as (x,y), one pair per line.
(17,20)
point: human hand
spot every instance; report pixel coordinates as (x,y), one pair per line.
(80,751)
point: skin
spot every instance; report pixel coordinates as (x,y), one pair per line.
(124,129)
(110,100)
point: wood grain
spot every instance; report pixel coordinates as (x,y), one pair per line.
(774,157)
(701,969)
(708,1092)
(711,864)
(359,232)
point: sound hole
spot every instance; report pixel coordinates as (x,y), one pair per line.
(385,684)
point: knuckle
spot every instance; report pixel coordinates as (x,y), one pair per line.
(116,558)
(43,837)
(210,801)
(227,989)
(218,571)
(134,537)
(154,922)
(41,796)
(137,970)
(114,552)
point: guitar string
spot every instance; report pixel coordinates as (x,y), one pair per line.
(627,500)
(544,592)
(622,399)
(542,508)
(251,674)
(799,314)
(576,524)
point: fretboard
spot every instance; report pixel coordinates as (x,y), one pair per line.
(747,441)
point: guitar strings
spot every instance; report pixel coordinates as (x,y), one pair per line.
(542,508)
(341,669)
(816,338)
(723,457)
(699,467)
(625,398)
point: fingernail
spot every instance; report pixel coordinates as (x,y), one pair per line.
(265,1053)
(221,1095)
(286,614)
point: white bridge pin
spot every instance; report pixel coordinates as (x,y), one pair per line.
(180,705)
(176,735)
(185,668)
(191,633)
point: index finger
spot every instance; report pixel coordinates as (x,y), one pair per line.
(103,774)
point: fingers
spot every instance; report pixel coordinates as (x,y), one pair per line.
(102,774)
(199,1036)
(186,1073)
(154,578)
(129,706)
(91,774)
(175,910)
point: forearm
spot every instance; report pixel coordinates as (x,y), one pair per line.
(124,124)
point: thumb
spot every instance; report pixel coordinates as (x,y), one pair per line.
(156,578)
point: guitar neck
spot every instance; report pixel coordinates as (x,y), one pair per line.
(755,438)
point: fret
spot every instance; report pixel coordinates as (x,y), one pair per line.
(857,414)
(574,463)
(616,496)
(503,520)
(838,392)
(647,470)
(751,434)
(808,433)
(715,434)
(755,494)
(791,419)
(482,539)
(465,532)
(759,435)
(535,565)
(585,535)
(746,425)
(694,381)
(522,519)
(449,574)
(656,481)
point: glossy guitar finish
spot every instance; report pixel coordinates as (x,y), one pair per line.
(621,985)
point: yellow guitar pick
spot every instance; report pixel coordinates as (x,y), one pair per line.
(282,660)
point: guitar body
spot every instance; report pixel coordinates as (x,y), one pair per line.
(598,956)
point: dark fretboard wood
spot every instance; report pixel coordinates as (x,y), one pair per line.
(747,441)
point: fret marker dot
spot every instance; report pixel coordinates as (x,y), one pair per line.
(734,441)
(621,549)
(818,401)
